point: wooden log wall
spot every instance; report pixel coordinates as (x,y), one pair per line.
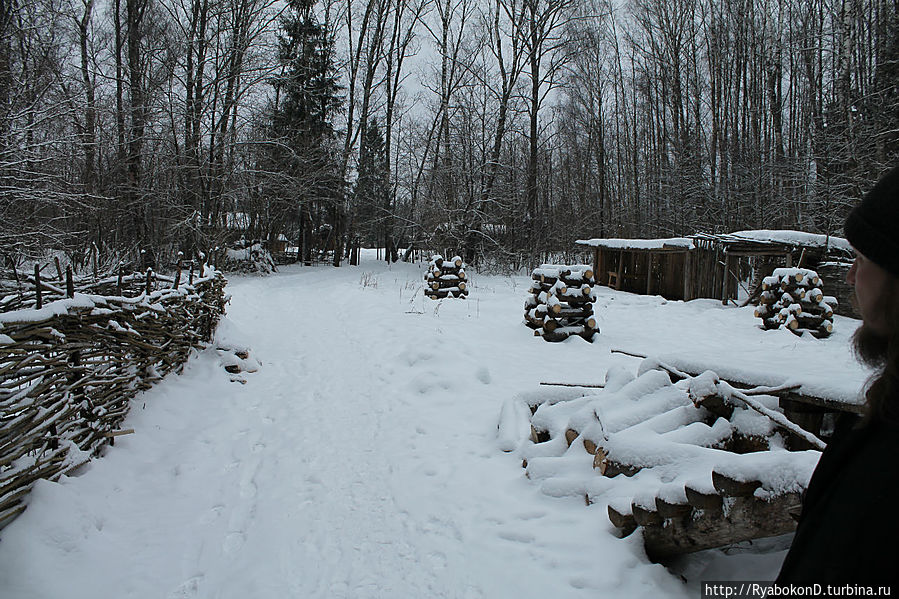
(70,362)
(792,298)
(561,302)
(833,279)
(446,278)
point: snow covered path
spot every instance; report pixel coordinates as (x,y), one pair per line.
(360,461)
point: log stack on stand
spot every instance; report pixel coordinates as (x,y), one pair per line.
(446,278)
(792,297)
(561,302)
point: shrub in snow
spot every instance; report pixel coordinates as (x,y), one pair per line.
(446,278)
(792,297)
(561,302)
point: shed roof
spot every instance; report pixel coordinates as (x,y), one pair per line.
(668,244)
(783,237)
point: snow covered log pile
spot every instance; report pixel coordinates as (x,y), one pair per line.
(695,463)
(446,278)
(792,298)
(561,302)
(71,362)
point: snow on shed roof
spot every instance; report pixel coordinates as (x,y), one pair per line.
(671,243)
(787,237)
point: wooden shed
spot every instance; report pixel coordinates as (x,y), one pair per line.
(716,265)
(752,255)
(664,267)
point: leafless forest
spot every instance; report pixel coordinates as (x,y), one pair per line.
(499,128)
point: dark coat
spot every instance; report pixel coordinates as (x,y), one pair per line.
(849,528)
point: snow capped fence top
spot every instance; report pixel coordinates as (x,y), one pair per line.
(72,361)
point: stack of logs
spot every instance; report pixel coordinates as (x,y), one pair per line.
(561,302)
(446,278)
(699,464)
(792,298)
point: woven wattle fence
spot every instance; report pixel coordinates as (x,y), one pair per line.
(71,361)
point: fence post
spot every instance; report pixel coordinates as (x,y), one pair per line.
(95,258)
(119,282)
(178,272)
(149,279)
(58,267)
(70,282)
(37,285)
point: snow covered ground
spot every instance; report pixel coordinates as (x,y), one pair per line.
(361,460)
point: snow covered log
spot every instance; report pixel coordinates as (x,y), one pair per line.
(446,278)
(741,519)
(561,302)
(698,456)
(793,299)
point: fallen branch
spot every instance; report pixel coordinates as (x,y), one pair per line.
(587,385)
(126,431)
(776,417)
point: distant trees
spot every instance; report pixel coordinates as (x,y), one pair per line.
(499,129)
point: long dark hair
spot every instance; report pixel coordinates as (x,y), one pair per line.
(880,351)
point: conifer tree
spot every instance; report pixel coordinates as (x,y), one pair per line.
(372,192)
(304,156)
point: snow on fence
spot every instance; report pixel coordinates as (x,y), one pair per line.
(691,460)
(446,278)
(561,302)
(792,297)
(70,362)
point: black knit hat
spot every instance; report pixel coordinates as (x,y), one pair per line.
(873,226)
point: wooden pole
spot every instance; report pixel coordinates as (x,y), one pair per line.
(70,282)
(724,279)
(586,385)
(37,285)
(688,276)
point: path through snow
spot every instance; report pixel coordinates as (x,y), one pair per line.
(360,461)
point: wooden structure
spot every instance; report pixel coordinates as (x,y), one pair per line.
(561,302)
(792,298)
(446,278)
(675,268)
(700,462)
(707,265)
(71,363)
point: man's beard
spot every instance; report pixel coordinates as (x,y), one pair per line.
(870,347)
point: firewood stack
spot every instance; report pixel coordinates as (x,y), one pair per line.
(446,278)
(697,463)
(792,297)
(561,302)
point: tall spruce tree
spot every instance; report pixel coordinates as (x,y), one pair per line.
(305,153)
(372,192)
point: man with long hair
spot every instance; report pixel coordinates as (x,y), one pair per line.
(848,532)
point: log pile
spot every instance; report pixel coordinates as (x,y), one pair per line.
(446,278)
(792,298)
(561,302)
(695,463)
(72,361)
